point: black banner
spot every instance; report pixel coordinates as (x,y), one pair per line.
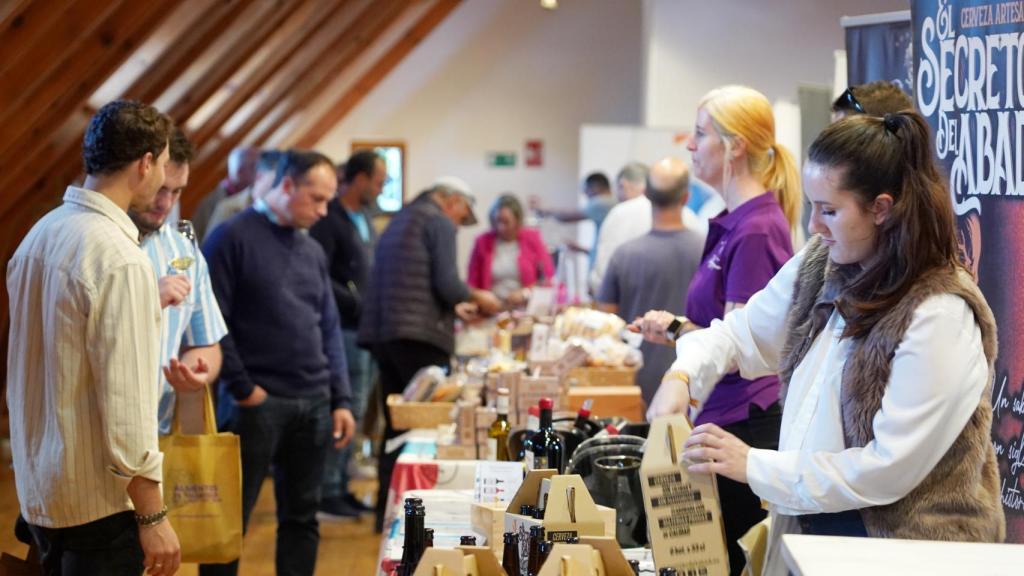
(969,83)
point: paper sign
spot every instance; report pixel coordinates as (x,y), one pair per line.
(497,481)
(684,518)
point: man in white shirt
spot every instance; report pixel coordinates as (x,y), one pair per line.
(629,219)
(83,362)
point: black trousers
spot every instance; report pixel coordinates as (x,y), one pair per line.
(292,436)
(105,547)
(741,508)
(398,361)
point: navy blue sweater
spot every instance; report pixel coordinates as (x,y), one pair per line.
(283,330)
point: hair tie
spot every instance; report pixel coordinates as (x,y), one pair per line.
(891,123)
(771,151)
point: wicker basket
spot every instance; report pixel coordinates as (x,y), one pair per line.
(409,415)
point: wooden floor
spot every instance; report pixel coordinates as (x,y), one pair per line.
(348,548)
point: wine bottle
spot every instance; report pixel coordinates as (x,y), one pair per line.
(407,543)
(510,557)
(428,537)
(467,541)
(668,571)
(497,435)
(545,446)
(418,536)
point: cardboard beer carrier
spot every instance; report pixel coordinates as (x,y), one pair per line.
(591,557)
(570,510)
(462,561)
(684,517)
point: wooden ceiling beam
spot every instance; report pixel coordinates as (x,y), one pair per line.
(232,58)
(11,11)
(70,84)
(324,51)
(364,34)
(25,21)
(284,45)
(59,154)
(377,72)
(181,52)
(78,24)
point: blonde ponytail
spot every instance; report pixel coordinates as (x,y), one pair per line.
(783,179)
(742,112)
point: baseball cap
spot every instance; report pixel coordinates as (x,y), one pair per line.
(459,186)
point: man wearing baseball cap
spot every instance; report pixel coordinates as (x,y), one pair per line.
(408,319)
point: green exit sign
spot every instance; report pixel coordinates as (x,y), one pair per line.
(501,159)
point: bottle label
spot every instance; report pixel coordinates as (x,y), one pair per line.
(540,462)
(492,449)
(529,461)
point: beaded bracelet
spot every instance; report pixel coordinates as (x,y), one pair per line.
(151,519)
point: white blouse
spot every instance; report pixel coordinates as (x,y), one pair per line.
(939,373)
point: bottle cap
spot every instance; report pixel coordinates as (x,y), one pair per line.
(546,404)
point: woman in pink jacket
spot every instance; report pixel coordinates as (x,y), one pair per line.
(509,259)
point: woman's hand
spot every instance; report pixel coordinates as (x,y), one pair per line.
(653,326)
(712,450)
(672,397)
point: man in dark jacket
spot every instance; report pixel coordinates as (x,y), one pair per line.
(347,237)
(408,319)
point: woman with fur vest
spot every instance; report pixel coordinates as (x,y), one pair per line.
(884,346)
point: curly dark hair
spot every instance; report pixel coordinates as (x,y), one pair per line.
(122,132)
(181,149)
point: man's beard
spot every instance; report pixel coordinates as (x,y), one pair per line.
(145,228)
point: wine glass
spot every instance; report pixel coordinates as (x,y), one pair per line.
(186,229)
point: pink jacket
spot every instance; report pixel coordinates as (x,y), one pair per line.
(533,256)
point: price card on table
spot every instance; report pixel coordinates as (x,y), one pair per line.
(497,481)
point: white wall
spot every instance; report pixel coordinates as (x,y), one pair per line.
(494,74)
(692,46)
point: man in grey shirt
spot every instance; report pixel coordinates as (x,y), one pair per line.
(653,272)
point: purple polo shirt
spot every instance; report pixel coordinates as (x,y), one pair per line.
(744,250)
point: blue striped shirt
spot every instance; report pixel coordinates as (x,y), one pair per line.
(195,322)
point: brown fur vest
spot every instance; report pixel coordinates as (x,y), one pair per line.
(960,498)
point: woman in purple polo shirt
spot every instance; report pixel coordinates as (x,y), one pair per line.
(734,150)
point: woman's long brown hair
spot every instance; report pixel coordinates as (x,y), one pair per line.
(890,155)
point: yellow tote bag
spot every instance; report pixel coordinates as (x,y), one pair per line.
(203,490)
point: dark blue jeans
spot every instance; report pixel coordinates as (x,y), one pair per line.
(293,435)
(105,547)
(848,523)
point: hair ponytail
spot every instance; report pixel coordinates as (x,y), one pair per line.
(745,113)
(783,178)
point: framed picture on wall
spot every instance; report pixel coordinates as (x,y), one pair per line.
(393,152)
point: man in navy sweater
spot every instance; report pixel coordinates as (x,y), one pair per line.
(284,383)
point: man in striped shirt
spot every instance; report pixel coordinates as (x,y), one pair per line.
(83,361)
(190,354)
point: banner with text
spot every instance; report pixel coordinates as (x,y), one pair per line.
(969,83)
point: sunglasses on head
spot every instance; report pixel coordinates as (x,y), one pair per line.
(848,102)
